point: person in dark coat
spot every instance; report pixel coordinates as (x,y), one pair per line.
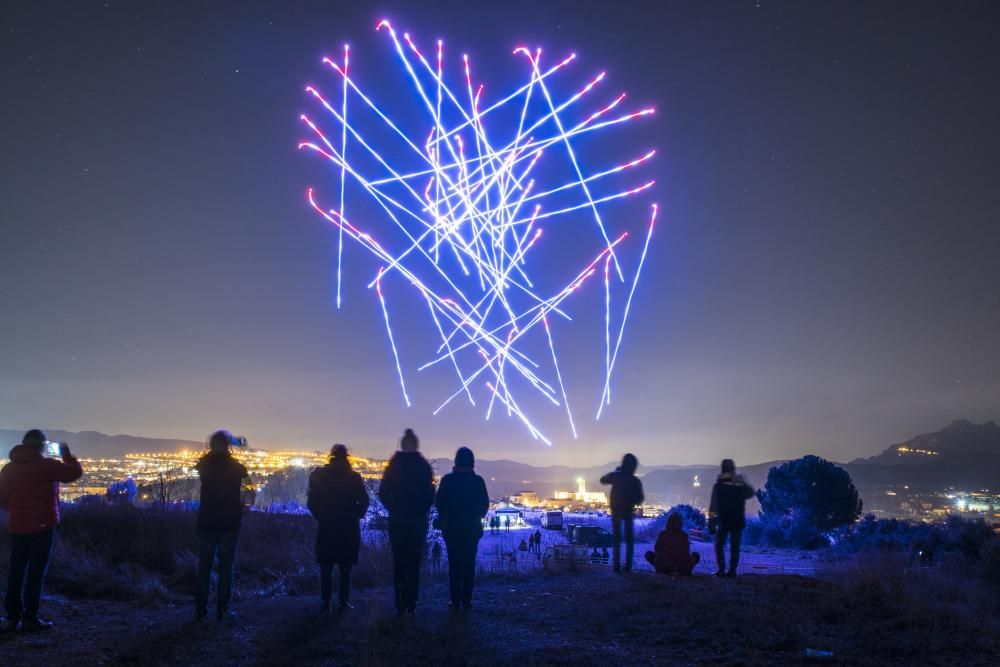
(407,493)
(462,502)
(672,551)
(29,491)
(726,515)
(626,495)
(338,500)
(220,514)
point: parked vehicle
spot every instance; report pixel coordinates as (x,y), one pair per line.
(552,520)
(592,536)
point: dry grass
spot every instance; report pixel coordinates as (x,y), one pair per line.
(866,610)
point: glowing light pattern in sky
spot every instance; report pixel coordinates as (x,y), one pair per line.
(469,220)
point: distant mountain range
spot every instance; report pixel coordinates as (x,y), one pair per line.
(93,444)
(962,455)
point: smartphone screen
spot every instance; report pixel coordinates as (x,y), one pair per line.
(52,449)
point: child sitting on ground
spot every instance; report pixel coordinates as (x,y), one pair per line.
(672,551)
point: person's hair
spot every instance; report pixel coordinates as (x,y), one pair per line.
(629,463)
(464,458)
(220,440)
(674,521)
(409,442)
(338,453)
(34,438)
(728,465)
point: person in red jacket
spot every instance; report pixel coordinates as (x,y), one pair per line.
(672,551)
(29,491)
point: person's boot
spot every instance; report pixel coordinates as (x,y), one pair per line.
(324,606)
(34,624)
(200,613)
(345,605)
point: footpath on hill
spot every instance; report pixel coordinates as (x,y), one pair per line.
(570,618)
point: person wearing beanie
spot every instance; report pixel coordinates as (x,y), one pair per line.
(338,501)
(407,493)
(220,514)
(29,491)
(462,502)
(626,495)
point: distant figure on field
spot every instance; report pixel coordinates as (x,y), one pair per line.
(407,492)
(726,515)
(220,514)
(29,491)
(506,523)
(672,552)
(626,495)
(462,502)
(436,556)
(338,500)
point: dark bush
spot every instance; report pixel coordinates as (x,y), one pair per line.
(805,499)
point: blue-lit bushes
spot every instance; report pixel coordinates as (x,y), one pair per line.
(925,543)
(692,518)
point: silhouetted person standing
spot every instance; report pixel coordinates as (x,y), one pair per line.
(726,514)
(626,495)
(462,502)
(407,492)
(672,552)
(338,500)
(29,491)
(220,514)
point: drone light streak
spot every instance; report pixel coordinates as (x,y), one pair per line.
(457,226)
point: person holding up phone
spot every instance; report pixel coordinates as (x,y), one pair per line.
(29,491)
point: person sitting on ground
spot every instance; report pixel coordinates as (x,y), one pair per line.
(523,546)
(726,515)
(672,551)
(407,493)
(462,502)
(338,500)
(29,491)
(626,495)
(220,514)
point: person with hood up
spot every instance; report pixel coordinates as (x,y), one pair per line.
(338,501)
(672,551)
(626,495)
(462,502)
(220,514)
(407,493)
(726,515)
(29,491)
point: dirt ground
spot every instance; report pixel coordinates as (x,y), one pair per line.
(566,618)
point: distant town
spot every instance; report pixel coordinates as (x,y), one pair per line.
(151,471)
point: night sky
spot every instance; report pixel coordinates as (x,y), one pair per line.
(825,277)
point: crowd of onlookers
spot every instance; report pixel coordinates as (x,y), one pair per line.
(338,499)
